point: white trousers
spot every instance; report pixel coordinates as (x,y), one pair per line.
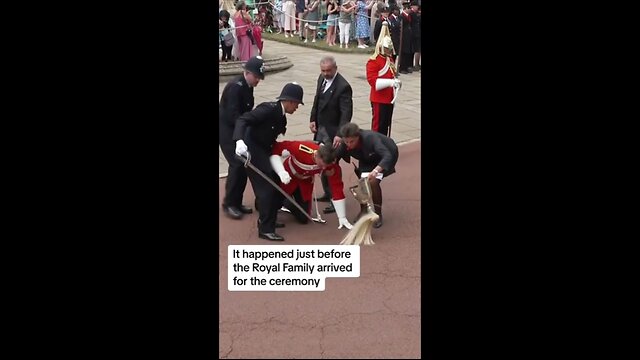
(289,9)
(344,32)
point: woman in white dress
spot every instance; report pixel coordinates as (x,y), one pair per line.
(289,9)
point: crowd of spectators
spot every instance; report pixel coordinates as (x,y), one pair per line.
(347,22)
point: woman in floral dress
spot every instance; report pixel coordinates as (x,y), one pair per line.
(362,21)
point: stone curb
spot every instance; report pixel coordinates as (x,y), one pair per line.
(233,68)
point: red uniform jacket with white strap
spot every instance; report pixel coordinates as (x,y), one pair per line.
(302,168)
(380,68)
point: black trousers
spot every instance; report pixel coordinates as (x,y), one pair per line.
(323,136)
(325,184)
(237,174)
(406,61)
(226,52)
(382,115)
(269,198)
(297,196)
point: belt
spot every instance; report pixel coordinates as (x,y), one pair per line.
(295,173)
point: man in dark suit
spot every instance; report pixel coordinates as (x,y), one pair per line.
(255,135)
(237,99)
(377,155)
(395,28)
(332,108)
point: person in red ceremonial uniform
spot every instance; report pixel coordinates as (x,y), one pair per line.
(297,163)
(381,75)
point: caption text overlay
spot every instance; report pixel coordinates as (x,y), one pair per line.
(289,267)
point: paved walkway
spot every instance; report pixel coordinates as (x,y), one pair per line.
(374,316)
(306,68)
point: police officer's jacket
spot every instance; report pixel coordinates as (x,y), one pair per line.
(264,123)
(373,149)
(237,99)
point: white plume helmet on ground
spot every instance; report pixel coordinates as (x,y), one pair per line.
(361,231)
(384,40)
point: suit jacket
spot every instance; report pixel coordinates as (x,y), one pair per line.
(332,109)
(395,30)
(374,149)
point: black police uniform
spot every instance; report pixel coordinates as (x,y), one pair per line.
(259,129)
(237,99)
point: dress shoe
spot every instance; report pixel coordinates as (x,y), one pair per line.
(246,209)
(404,72)
(232,212)
(329,209)
(324,198)
(378,223)
(271,236)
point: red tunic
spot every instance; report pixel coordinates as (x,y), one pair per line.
(302,168)
(382,67)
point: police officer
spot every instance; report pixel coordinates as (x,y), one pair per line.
(237,99)
(255,134)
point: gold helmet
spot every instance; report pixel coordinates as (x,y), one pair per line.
(384,41)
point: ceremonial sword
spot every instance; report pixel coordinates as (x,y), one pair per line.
(247,163)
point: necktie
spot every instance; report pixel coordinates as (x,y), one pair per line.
(324,84)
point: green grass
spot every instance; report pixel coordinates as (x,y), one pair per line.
(319,44)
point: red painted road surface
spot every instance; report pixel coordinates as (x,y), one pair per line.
(376,315)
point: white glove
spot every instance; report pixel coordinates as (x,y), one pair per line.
(241,148)
(284,177)
(385,83)
(397,84)
(341,212)
(278,167)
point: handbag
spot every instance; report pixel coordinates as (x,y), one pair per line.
(250,34)
(228,39)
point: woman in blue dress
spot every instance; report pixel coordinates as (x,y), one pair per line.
(362,21)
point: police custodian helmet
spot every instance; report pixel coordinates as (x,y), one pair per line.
(292,91)
(256,66)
